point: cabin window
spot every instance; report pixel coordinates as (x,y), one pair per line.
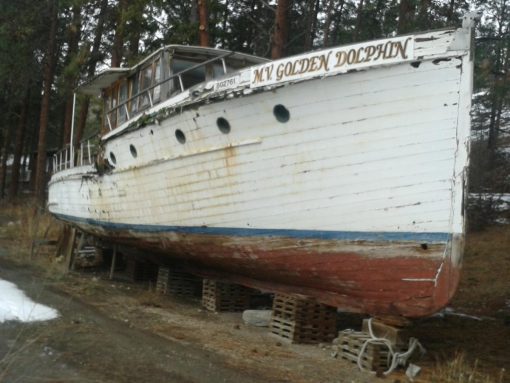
(123,96)
(113,105)
(157,78)
(107,104)
(145,83)
(134,82)
(190,78)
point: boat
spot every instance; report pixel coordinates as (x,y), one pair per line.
(338,174)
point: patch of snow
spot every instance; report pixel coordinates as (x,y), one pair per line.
(16,306)
(479,94)
(501,201)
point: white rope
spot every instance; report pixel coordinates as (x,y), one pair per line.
(395,358)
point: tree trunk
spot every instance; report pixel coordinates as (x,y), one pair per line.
(70,78)
(204,25)
(337,25)
(311,20)
(280,30)
(451,12)
(82,121)
(118,39)
(500,62)
(224,24)
(423,15)
(18,146)
(94,58)
(359,21)
(405,16)
(327,22)
(5,155)
(50,59)
(134,43)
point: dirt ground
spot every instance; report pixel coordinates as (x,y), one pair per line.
(117,331)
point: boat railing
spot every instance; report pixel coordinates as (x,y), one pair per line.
(112,116)
(66,158)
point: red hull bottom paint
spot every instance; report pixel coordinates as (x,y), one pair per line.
(376,278)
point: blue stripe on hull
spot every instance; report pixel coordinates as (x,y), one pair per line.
(242,232)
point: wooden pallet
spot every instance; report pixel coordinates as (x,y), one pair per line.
(221,296)
(139,271)
(44,248)
(87,257)
(374,358)
(178,283)
(302,320)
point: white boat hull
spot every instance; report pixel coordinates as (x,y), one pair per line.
(369,166)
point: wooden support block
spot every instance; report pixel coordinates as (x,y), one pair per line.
(139,271)
(397,336)
(376,357)
(302,320)
(221,296)
(178,283)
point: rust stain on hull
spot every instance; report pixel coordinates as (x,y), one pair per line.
(397,279)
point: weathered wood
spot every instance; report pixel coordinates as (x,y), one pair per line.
(222,296)
(302,319)
(141,270)
(114,261)
(69,248)
(376,356)
(397,336)
(178,283)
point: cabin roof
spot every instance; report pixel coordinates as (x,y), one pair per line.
(103,79)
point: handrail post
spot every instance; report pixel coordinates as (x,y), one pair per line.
(81,153)
(181,83)
(88,149)
(127,111)
(71,144)
(150,98)
(224,65)
(108,120)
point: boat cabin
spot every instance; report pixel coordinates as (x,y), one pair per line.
(171,70)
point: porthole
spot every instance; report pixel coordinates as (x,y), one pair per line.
(113,160)
(223,125)
(133,151)
(281,113)
(180,136)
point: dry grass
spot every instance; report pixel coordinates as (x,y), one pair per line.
(21,225)
(27,222)
(458,370)
(485,285)
(474,350)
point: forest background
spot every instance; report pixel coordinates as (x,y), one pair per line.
(48,47)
